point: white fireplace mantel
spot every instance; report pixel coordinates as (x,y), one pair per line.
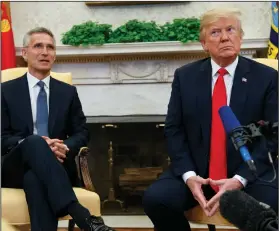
(131,82)
(143,48)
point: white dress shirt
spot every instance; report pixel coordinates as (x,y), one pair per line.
(34,90)
(228,79)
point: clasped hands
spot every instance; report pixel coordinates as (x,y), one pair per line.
(58,147)
(212,206)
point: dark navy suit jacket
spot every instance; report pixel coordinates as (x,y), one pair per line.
(66,118)
(188,121)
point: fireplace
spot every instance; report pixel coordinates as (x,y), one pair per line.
(124,90)
(125,159)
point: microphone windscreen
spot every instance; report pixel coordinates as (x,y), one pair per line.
(228,118)
(245,212)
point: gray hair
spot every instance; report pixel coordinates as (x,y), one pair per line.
(27,36)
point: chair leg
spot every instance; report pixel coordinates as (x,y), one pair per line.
(211,227)
(71,225)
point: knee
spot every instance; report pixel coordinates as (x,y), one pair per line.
(266,194)
(154,201)
(150,201)
(271,198)
(149,198)
(35,142)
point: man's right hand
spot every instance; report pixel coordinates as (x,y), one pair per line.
(195,185)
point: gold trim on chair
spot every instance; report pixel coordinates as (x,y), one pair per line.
(83,169)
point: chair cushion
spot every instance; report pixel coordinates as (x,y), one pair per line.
(15,210)
(197,215)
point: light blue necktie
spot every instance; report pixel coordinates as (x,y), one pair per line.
(42,111)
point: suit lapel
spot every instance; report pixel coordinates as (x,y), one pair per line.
(203,93)
(24,95)
(240,87)
(53,108)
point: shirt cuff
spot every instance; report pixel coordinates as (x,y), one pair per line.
(187,175)
(242,180)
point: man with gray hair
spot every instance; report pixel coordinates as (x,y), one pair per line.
(204,163)
(42,129)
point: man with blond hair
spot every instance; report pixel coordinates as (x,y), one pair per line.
(204,163)
(42,129)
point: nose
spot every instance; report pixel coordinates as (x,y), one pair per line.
(44,51)
(224,36)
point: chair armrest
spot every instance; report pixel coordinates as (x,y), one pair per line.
(83,169)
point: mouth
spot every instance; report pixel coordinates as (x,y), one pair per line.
(226,48)
(44,61)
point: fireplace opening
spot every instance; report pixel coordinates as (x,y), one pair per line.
(125,159)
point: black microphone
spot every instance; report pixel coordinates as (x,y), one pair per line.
(246,213)
(237,134)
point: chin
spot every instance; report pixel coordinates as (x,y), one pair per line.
(45,69)
(228,54)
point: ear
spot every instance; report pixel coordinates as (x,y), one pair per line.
(204,45)
(24,54)
(241,38)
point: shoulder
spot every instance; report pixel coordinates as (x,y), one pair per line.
(193,66)
(260,70)
(8,85)
(62,85)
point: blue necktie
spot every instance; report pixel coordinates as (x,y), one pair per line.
(42,111)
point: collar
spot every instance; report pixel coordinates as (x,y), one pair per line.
(230,68)
(32,80)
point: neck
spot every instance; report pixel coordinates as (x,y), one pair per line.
(39,74)
(224,62)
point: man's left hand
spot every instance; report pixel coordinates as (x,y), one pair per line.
(224,185)
(58,148)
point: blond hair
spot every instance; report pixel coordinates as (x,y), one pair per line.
(213,15)
(27,36)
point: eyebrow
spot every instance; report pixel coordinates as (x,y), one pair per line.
(214,28)
(48,44)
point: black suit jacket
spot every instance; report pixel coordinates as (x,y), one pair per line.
(188,121)
(66,119)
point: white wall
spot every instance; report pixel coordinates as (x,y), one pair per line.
(61,16)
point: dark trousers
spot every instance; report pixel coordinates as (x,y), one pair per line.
(166,200)
(31,165)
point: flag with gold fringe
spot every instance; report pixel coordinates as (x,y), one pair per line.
(8,54)
(273,39)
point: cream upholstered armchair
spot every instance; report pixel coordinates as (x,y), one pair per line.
(7,227)
(196,215)
(268,62)
(14,206)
